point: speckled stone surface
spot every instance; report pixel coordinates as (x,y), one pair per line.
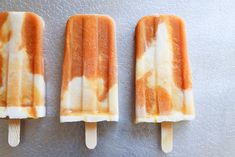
(211,44)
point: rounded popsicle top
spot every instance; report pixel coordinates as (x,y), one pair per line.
(22,68)
(147,26)
(146,33)
(163,76)
(32,14)
(96,35)
(150,17)
(100,16)
(89,70)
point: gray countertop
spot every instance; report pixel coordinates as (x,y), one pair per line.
(211,43)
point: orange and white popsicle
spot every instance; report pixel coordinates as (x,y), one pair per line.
(163,77)
(89,87)
(22,85)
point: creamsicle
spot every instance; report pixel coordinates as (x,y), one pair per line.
(163,76)
(22,84)
(89,85)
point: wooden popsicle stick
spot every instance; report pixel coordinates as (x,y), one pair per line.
(91,134)
(167,136)
(13,132)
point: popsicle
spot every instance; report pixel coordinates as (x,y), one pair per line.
(22,85)
(163,77)
(89,85)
